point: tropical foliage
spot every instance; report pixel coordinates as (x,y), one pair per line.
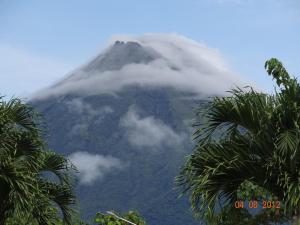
(248,138)
(108,219)
(35,184)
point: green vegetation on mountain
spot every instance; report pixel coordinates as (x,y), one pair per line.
(114,219)
(256,156)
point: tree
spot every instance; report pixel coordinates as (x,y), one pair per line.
(132,216)
(28,194)
(248,145)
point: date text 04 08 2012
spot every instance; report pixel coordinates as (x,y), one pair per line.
(255,204)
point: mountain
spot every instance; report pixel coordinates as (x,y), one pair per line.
(125,117)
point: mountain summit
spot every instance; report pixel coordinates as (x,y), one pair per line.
(150,61)
(124,120)
(121,54)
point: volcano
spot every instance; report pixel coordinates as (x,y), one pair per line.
(124,119)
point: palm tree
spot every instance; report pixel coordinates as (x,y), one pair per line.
(27,191)
(249,143)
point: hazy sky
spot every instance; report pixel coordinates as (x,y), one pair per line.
(40,41)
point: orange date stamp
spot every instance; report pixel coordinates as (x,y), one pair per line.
(254,204)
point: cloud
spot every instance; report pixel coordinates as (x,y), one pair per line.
(81,107)
(149,132)
(86,113)
(21,71)
(93,167)
(185,65)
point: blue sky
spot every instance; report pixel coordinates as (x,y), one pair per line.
(40,41)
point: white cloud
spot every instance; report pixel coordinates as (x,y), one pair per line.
(199,69)
(86,113)
(93,167)
(23,72)
(149,132)
(81,107)
(80,129)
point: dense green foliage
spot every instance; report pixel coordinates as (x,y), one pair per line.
(255,155)
(109,219)
(28,195)
(230,215)
(106,219)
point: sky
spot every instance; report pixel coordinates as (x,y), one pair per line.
(41,41)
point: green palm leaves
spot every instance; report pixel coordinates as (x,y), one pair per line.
(248,137)
(25,192)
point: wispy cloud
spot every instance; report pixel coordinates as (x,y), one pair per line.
(149,132)
(86,113)
(27,71)
(185,65)
(93,167)
(80,106)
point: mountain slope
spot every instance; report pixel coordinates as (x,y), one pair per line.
(145,181)
(124,120)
